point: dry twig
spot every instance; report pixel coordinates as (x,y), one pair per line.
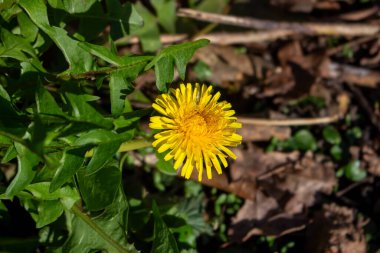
(357,29)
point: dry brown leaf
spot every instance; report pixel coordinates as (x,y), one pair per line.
(372,160)
(335,229)
(297,73)
(226,64)
(286,189)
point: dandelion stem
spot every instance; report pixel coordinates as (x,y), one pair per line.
(127,146)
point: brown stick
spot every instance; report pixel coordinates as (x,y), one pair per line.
(343,102)
(289,122)
(357,29)
(355,75)
(246,37)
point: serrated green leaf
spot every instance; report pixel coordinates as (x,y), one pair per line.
(16,47)
(78,59)
(70,163)
(17,43)
(119,87)
(180,54)
(26,170)
(191,210)
(164,70)
(164,241)
(99,189)
(111,224)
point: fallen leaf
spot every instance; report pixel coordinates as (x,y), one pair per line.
(335,229)
(286,187)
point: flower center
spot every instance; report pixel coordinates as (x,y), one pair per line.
(194,126)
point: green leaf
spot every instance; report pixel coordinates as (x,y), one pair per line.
(11,123)
(26,170)
(40,191)
(124,18)
(102,52)
(165,167)
(48,212)
(10,154)
(163,241)
(93,22)
(179,54)
(336,152)
(78,59)
(70,163)
(27,28)
(149,34)
(102,155)
(354,133)
(17,43)
(166,12)
(75,6)
(96,136)
(353,171)
(118,86)
(107,232)
(99,189)
(191,210)
(84,112)
(124,62)
(331,135)
(45,102)
(304,140)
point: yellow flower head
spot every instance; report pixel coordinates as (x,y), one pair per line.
(197,129)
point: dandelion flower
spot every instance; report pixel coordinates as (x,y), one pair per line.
(196,129)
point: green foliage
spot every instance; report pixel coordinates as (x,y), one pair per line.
(353,171)
(178,54)
(66,115)
(302,140)
(166,167)
(163,238)
(331,135)
(202,70)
